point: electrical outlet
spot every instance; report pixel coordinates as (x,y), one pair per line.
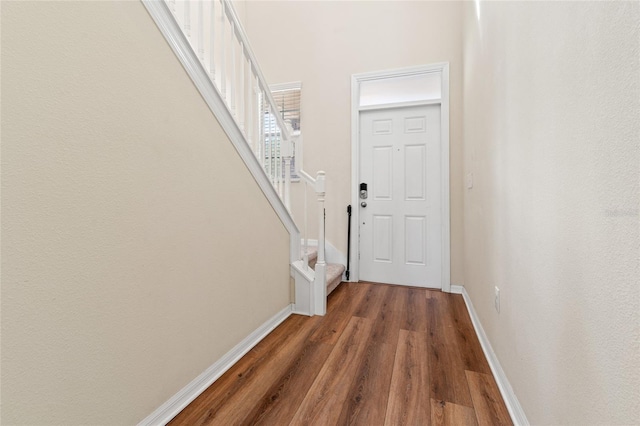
(469,180)
(496,300)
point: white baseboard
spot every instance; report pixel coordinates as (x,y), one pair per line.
(513,405)
(167,411)
(457,289)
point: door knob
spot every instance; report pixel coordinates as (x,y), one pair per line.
(363,204)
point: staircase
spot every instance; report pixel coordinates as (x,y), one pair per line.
(208,39)
(334,270)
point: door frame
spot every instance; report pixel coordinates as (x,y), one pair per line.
(356,80)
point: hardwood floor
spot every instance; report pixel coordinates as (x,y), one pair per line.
(383,355)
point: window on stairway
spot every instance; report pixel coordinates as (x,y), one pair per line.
(287,98)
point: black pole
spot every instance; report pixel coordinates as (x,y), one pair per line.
(348,240)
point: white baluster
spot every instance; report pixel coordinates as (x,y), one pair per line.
(241,96)
(274,147)
(232,87)
(280,166)
(201,30)
(287,176)
(278,159)
(172,6)
(267,146)
(306,232)
(212,39)
(265,126)
(248,112)
(320,192)
(187,19)
(260,122)
(223,49)
(260,128)
(320,283)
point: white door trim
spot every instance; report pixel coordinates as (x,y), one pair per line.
(356,80)
(400,105)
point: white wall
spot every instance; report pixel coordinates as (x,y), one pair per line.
(127,220)
(551,135)
(321,44)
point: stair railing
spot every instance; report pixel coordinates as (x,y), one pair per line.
(215,34)
(219,42)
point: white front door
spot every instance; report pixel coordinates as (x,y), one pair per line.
(400,220)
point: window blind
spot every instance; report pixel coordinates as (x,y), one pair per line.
(288,102)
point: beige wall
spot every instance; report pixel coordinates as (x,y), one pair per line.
(127,220)
(551,135)
(323,44)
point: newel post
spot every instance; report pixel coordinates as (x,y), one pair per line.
(320,283)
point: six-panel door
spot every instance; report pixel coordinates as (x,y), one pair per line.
(400,227)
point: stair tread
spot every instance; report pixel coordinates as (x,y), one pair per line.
(334,270)
(334,276)
(312,252)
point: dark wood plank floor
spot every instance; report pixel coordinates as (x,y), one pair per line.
(383,355)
